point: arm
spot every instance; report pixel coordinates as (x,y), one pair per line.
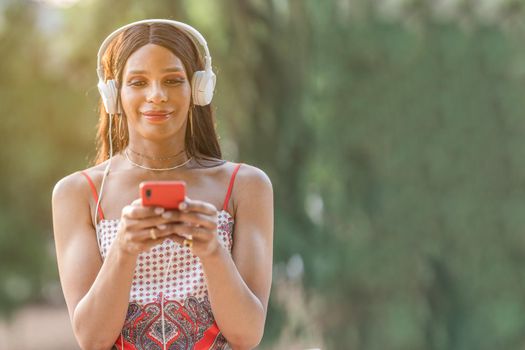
(96,292)
(238,284)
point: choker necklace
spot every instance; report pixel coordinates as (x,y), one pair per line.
(155,169)
(155,158)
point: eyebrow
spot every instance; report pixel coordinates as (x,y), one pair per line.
(167,70)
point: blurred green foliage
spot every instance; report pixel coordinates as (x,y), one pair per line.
(392,132)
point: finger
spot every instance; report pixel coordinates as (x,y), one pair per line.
(144,223)
(141,212)
(154,233)
(196,205)
(172,215)
(192,218)
(137,201)
(147,244)
(186,231)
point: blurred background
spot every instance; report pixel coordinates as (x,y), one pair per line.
(392,130)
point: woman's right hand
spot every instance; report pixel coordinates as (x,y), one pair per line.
(138,225)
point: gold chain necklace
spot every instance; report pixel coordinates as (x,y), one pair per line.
(155,169)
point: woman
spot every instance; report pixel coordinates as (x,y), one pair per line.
(141,277)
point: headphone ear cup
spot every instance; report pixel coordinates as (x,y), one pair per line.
(202,86)
(109,93)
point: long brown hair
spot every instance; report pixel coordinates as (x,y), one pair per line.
(203,144)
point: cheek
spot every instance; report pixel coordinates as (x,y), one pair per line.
(186,91)
(128,98)
(127,94)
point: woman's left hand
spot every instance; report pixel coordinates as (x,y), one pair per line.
(195,223)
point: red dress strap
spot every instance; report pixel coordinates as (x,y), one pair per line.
(232,180)
(95,194)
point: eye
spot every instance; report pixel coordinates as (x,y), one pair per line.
(175,81)
(137,83)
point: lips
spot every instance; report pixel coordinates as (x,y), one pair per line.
(160,115)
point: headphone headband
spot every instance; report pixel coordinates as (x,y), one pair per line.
(186,27)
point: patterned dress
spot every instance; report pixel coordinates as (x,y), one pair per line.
(188,318)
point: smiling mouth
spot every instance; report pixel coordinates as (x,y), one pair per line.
(157,116)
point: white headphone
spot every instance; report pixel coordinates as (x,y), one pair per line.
(202,82)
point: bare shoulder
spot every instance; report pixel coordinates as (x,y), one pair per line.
(74,187)
(252,182)
(250,175)
(70,186)
(76,183)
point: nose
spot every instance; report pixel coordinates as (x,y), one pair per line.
(157,93)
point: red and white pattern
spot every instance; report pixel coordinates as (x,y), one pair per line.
(189,322)
(188,326)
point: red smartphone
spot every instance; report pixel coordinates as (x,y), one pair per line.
(165,194)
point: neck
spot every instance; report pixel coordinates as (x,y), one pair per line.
(156,156)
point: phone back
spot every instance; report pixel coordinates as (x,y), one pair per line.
(165,194)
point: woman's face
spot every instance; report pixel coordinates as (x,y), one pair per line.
(155,94)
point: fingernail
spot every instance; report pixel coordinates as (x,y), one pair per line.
(159,210)
(162,226)
(183,206)
(167,215)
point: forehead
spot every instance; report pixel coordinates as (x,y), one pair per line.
(152,58)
